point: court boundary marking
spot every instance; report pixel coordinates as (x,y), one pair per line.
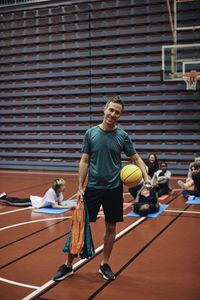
(80,262)
(34,250)
(34,221)
(49,283)
(135,256)
(69,217)
(182,211)
(15,210)
(18,283)
(75,173)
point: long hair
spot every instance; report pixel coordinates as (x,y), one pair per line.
(156,164)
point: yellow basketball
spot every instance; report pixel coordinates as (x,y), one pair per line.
(131,175)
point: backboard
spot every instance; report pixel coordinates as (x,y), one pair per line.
(178,60)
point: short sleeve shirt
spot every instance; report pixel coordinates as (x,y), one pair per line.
(104,149)
(46,201)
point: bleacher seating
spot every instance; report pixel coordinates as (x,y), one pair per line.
(59,64)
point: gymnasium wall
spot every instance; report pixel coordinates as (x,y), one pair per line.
(61,60)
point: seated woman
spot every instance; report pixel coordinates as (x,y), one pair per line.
(162,180)
(146,201)
(52,198)
(152,164)
(191,194)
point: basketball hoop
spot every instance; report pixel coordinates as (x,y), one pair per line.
(191,80)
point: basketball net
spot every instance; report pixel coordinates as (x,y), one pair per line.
(191,80)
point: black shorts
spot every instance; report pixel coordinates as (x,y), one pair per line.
(111,200)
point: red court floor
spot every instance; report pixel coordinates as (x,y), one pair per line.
(153,258)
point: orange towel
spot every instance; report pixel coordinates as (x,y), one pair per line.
(78,229)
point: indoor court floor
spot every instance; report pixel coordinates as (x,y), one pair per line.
(153,258)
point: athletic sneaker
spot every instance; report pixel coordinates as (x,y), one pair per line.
(62,273)
(182,184)
(191,197)
(3,196)
(106,272)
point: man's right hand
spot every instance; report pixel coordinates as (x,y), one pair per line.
(79,195)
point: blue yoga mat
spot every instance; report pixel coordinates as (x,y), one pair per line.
(196,200)
(153,215)
(51,210)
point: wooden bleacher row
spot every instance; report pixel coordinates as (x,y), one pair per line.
(60,24)
(142,121)
(158,29)
(82,32)
(60,42)
(55,14)
(186,137)
(92,54)
(98,88)
(139,58)
(37,146)
(132,127)
(167,98)
(138,100)
(75,119)
(77,71)
(14,31)
(64,150)
(79,82)
(49,9)
(71,163)
(78,112)
(38,73)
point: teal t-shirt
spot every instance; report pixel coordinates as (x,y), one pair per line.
(105,148)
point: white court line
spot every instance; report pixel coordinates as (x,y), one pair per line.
(16,210)
(47,284)
(19,283)
(35,221)
(183,211)
(75,173)
(39,172)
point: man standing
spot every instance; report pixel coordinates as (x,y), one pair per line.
(101,161)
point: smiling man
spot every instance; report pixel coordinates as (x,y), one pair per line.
(101,161)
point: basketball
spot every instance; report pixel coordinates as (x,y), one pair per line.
(131,175)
